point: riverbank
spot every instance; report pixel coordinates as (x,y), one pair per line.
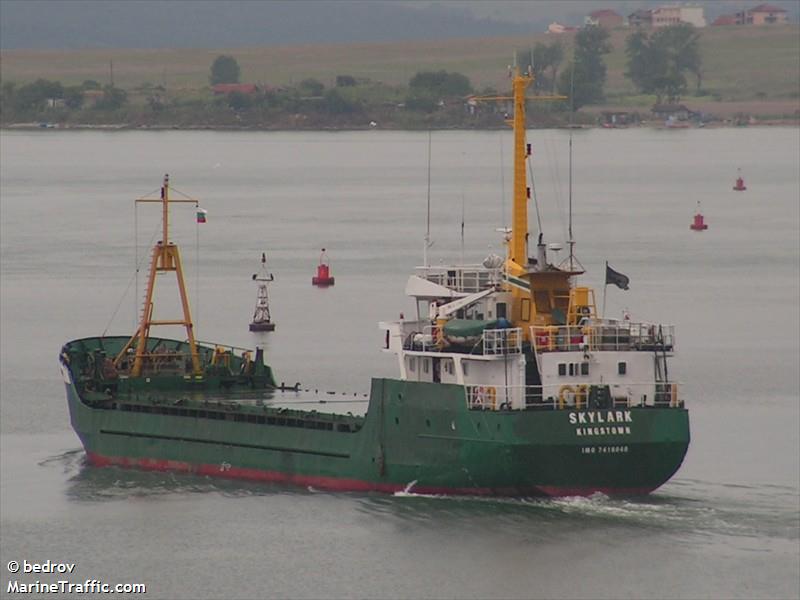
(707,115)
(750,76)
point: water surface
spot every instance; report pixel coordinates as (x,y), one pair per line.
(728,524)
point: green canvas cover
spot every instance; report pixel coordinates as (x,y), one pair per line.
(468,327)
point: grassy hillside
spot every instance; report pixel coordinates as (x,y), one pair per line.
(739,63)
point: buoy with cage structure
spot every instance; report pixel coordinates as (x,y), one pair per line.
(262,320)
(323,278)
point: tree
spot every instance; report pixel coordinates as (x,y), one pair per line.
(113,98)
(335,103)
(239,101)
(658,63)
(421,103)
(34,95)
(584,79)
(544,61)
(7,96)
(73,97)
(224,69)
(345,81)
(311,87)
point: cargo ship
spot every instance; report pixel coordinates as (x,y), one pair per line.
(510,383)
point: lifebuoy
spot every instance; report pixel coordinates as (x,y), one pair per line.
(562,392)
(581,395)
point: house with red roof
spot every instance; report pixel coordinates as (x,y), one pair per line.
(763,14)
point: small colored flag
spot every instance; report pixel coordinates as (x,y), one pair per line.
(201,215)
(617,279)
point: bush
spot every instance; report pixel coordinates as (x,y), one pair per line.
(337,104)
(345,81)
(34,95)
(113,98)
(310,87)
(440,83)
(421,103)
(239,101)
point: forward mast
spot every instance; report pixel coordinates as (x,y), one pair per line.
(165,258)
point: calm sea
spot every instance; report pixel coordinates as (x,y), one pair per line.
(727,525)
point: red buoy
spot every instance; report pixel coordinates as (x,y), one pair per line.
(323,277)
(698,224)
(739,187)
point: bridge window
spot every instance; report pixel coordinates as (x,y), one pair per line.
(425,366)
(412,364)
(622,368)
(584,368)
(562,369)
(572,369)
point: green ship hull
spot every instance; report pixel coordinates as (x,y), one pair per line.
(420,437)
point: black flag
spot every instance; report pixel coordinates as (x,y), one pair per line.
(615,278)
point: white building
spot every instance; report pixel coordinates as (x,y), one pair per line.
(664,16)
(694,15)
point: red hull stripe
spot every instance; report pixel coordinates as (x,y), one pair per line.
(343,484)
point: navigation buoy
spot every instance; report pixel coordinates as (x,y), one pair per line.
(740,186)
(323,277)
(261,318)
(698,224)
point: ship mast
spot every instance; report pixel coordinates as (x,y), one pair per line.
(518,244)
(165,258)
(518,247)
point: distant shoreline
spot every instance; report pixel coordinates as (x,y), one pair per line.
(705,114)
(129,127)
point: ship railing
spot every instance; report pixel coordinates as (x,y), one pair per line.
(602,335)
(570,396)
(461,278)
(234,350)
(492,342)
(502,341)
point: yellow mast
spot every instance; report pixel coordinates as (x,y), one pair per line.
(518,270)
(518,246)
(166,257)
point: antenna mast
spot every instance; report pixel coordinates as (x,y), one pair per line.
(428,222)
(571,115)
